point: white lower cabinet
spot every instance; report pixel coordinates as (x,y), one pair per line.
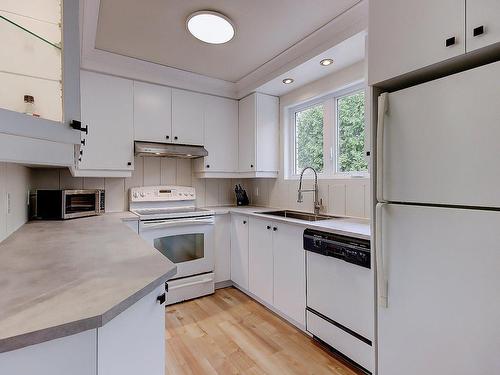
(260,259)
(131,343)
(134,342)
(289,272)
(222,246)
(75,355)
(239,250)
(268,260)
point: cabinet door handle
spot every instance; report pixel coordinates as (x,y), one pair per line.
(478,31)
(275,229)
(167,137)
(251,165)
(268,227)
(208,165)
(450,41)
(244,221)
(129,163)
(176,138)
(83,141)
(161,299)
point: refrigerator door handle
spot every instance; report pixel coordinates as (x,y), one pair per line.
(382,282)
(382,110)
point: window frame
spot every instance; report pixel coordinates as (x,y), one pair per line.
(330,134)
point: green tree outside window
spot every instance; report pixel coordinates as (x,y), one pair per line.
(351,133)
(309,138)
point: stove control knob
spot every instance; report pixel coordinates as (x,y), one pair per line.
(142,195)
(135,195)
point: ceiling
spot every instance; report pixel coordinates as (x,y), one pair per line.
(155,31)
(344,54)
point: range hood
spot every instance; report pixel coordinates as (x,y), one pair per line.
(169,149)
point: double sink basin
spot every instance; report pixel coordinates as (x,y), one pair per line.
(305,216)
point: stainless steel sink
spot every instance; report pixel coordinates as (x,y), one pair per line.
(298,215)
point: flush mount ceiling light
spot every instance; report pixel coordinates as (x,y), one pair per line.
(210,27)
(326,62)
(287,81)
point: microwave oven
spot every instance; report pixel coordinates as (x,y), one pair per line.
(69,204)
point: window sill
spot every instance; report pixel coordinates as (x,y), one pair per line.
(330,177)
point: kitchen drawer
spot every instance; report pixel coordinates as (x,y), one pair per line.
(350,346)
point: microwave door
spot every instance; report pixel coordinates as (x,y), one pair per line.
(78,203)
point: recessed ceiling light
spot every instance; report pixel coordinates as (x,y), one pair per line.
(326,62)
(210,27)
(287,81)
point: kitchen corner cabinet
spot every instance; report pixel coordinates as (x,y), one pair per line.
(408,35)
(187,117)
(132,343)
(277,272)
(239,250)
(152,112)
(220,136)
(107,108)
(41,60)
(258,138)
(260,259)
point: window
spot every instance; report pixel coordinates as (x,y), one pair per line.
(351,133)
(328,134)
(309,138)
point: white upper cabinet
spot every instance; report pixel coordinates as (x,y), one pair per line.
(107,108)
(483,23)
(246,138)
(39,81)
(152,112)
(220,136)
(406,35)
(187,117)
(258,139)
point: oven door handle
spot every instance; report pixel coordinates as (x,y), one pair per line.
(177,222)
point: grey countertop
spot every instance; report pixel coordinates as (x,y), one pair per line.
(58,278)
(359,228)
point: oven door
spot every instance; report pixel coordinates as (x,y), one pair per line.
(187,242)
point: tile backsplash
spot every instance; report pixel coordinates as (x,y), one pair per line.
(342,197)
(149,171)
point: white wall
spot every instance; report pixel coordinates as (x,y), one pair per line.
(149,171)
(343,196)
(14,188)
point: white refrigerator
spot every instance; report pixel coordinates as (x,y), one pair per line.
(437,226)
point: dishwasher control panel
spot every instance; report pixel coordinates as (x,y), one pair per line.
(350,249)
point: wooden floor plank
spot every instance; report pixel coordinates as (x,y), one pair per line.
(228,333)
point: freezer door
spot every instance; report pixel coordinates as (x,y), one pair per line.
(440,141)
(442,267)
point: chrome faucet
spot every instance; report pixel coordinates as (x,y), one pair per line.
(317,202)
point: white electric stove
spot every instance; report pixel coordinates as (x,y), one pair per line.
(171,222)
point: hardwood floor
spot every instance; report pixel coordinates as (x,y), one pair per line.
(229,333)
